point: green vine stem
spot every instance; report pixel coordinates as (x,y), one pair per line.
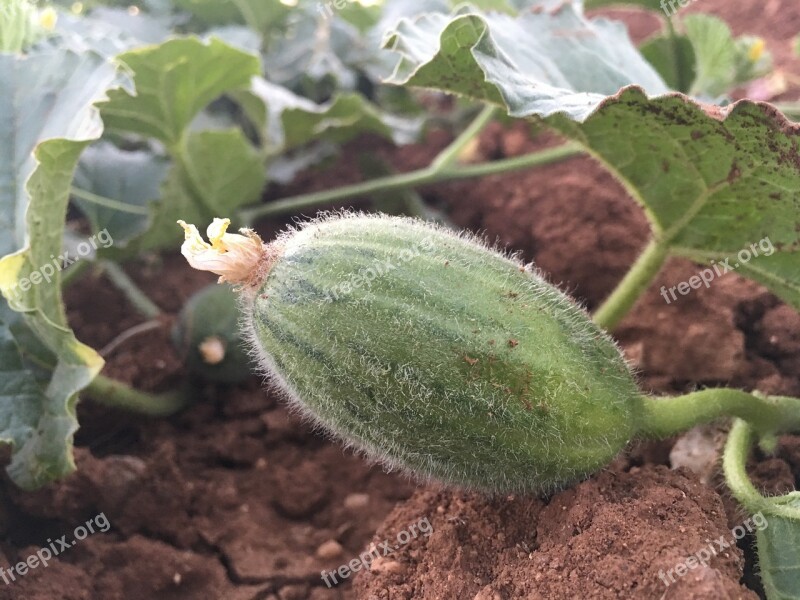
(412,179)
(632,286)
(664,417)
(443,168)
(99,200)
(115,394)
(138,299)
(740,442)
(450,155)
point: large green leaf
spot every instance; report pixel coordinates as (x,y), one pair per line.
(333,61)
(48,118)
(712,180)
(133,178)
(220,171)
(673,57)
(713,45)
(261,15)
(36,416)
(105,37)
(174,82)
(213,172)
(289,121)
(346,53)
(723,62)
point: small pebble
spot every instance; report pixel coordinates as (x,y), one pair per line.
(384,566)
(329,549)
(356,501)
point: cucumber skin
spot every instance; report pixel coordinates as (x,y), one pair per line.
(456,363)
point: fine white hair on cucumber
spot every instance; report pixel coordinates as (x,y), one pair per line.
(429,380)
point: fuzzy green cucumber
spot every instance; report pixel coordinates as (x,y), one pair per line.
(435,354)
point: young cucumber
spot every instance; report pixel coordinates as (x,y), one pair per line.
(207,336)
(435,354)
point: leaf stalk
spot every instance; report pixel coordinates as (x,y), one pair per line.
(444,167)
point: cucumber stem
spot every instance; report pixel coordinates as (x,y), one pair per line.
(116,394)
(663,417)
(632,286)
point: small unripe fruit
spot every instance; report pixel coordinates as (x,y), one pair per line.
(434,354)
(207,337)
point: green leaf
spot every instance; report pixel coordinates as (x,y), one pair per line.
(361,16)
(316,70)
(289,121)
(713,181)
(174,82)
(504,6)
(779,551)
(48,118)
(101,36)
(673,58)
(219,172)
(260,15)
(143,27)
(131,178)
(707,61)
(715,52)
(37,418)
(569,65)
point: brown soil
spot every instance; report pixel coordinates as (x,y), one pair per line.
(235,499)
(611,537)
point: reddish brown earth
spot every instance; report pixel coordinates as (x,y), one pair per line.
(234,499)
